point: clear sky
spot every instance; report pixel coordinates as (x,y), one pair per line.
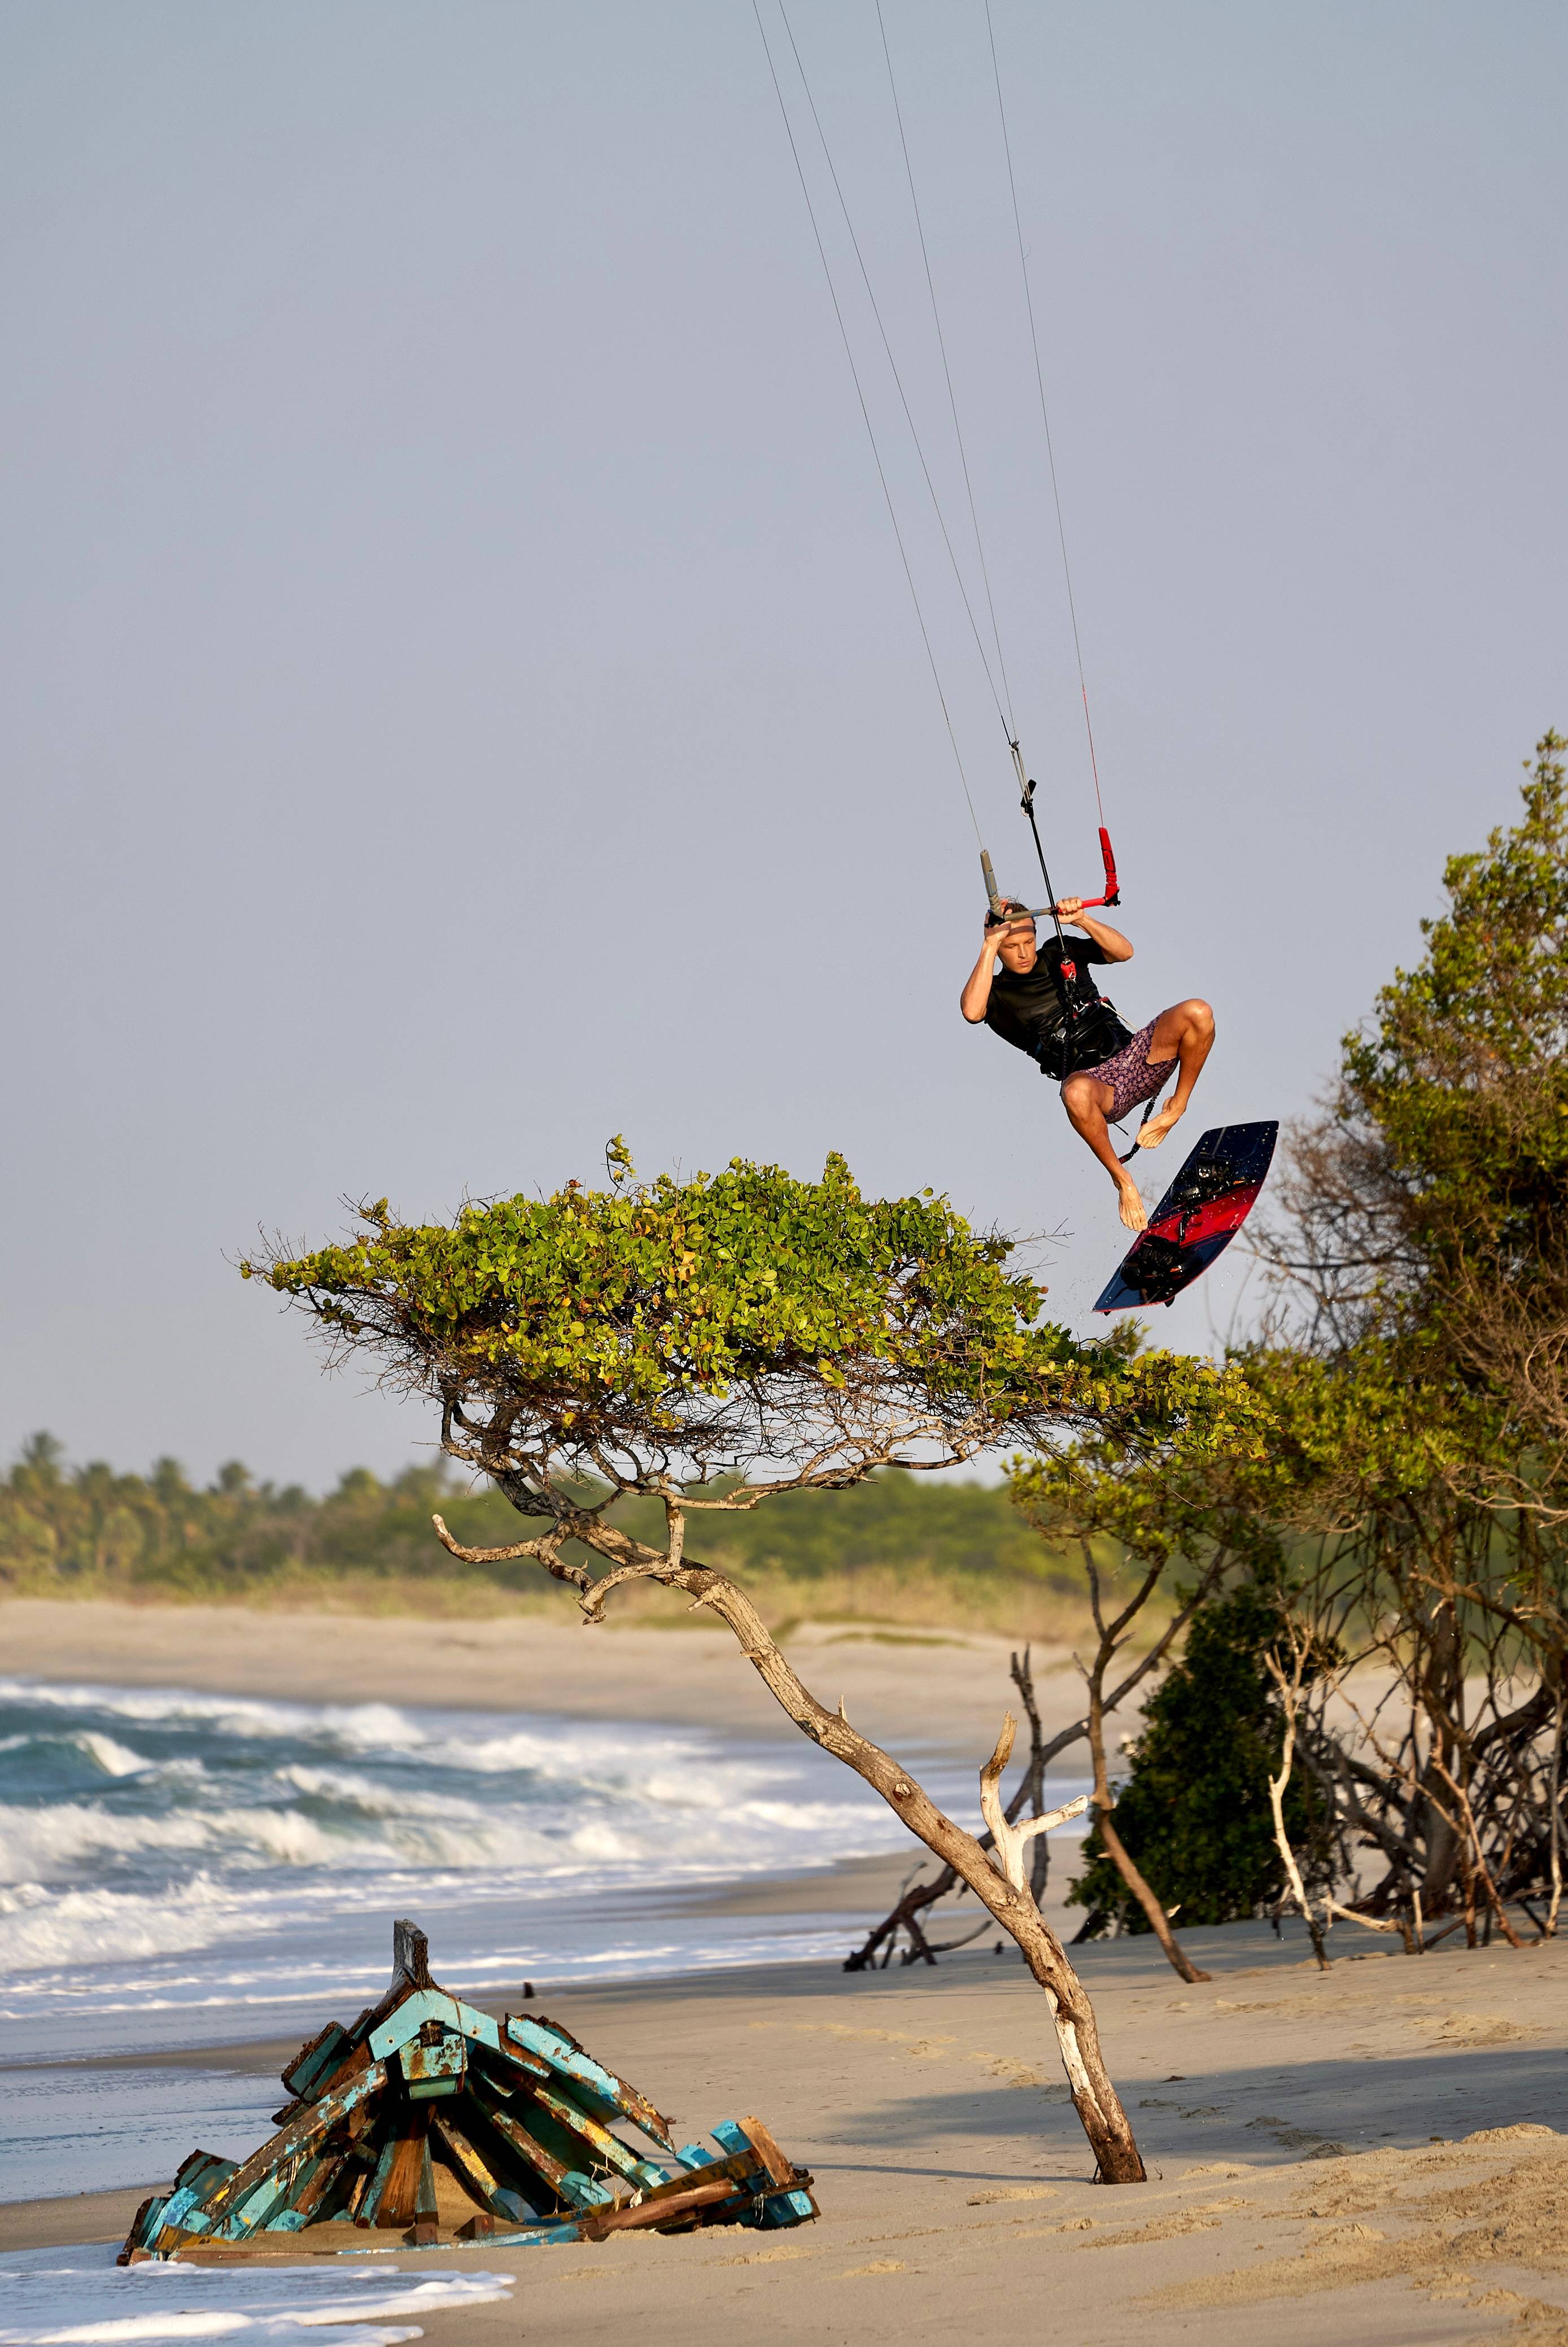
(461,697)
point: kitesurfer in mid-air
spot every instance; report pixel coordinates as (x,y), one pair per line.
(1027,1003)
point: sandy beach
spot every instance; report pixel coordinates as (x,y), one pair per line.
(947,1687)
(1380,2153)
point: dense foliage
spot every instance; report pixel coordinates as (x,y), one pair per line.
(63,1529)
(88,1529)
(692,1329)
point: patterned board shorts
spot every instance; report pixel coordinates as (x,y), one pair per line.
(1131,1075)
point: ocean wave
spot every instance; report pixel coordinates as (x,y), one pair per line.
(554,1750)
(64,2294)
(53,1843)
(83,1926)
(161,1849)
(113,1759)
(362,1726)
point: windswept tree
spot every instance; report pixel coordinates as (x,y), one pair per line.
(712,1343)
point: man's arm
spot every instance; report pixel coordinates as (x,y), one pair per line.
(977,994)
(1114,946)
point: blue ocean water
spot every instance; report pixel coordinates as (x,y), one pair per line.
(179,1869)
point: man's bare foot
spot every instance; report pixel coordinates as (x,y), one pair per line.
(1150,1135)
(1134,1213)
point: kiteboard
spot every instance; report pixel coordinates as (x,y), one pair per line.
(1196,1219)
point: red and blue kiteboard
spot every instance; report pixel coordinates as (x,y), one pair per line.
(1196,1219)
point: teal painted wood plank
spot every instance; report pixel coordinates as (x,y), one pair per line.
(599,2138)
(432,2005)
(366,2214)
(477,2025)
(614,2094)
(410,2018)
(433,2070)
(315,2061)
(277,2159)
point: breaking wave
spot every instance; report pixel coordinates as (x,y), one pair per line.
(163,1850)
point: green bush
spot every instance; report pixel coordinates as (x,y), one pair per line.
(1195,1811)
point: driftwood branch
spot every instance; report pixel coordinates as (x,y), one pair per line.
(1290,1695)
(1009,1841)
(919,1896)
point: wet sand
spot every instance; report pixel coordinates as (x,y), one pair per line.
(1289,2121)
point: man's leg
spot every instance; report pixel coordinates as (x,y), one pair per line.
(1086,1099)
(1185,1033)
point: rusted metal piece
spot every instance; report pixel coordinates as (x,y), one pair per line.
(429,2119)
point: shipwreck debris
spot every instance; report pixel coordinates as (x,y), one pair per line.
(431,2120)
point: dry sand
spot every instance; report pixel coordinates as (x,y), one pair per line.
(1288,2120)
(922,1687)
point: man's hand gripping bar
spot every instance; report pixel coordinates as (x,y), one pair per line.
(1038,912)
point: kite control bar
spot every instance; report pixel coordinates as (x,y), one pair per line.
(1112,894)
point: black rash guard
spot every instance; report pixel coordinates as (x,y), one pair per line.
(1027,1009)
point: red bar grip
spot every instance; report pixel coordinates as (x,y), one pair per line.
(1107,857)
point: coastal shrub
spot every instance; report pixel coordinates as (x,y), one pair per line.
(1193,1811)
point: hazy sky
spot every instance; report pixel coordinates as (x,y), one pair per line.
(462,700)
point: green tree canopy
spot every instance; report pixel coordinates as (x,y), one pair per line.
(728,1323)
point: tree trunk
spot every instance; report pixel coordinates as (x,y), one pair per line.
(1095,2099)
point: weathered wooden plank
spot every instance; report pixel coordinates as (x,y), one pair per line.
(565,2145)
(433,2071)
(224,2207)
(359,2057)
(512,2057)
(779,2169)
(143,2225)
(475,2173)
(562,2050)
(396,2205)
(317,2179)
(794,2207)
(425,2208)
(371,2198)
(315,2062)
(583,2192)
(422,2005)
(610,2147)
(682,2201)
